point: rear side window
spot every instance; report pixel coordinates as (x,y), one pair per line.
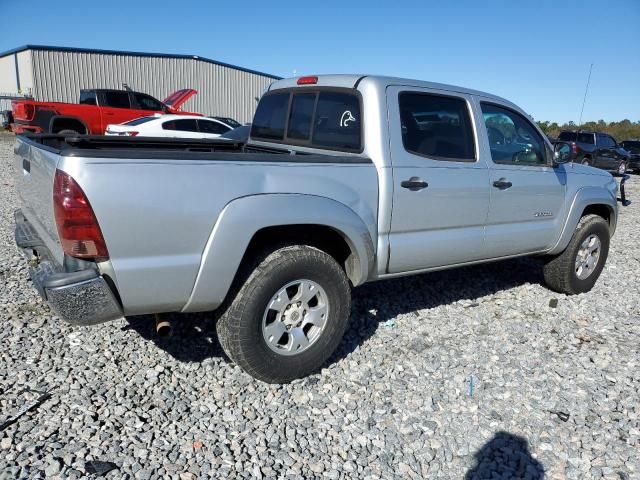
(117,99)
(327,119)
(436,126)
(207,126)
(140,121)
(585,138)
(88,98)
(183,125)
(569,137)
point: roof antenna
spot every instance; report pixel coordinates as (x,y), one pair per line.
(585,95)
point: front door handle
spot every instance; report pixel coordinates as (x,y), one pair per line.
(414,184)
(502,184)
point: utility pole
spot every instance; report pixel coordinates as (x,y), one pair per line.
(585,95)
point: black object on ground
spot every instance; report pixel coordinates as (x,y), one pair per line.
(98,467)
(27,407)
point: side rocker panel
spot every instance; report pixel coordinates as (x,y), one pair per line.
(242,218)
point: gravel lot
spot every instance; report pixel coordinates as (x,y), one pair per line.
(446,375)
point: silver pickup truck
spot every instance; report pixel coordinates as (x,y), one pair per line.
(345,179)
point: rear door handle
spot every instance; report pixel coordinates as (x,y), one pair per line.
(502,184)
(414,184)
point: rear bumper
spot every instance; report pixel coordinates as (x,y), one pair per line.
(81,297)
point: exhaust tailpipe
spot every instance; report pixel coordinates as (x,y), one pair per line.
(163,325)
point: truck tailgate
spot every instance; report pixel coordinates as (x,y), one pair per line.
(34,174)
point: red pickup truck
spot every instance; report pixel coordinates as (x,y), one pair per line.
(97,109)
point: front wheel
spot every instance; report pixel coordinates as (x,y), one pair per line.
(586,161)
(577,268)
(289,315)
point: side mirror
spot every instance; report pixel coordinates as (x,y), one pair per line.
(561,153)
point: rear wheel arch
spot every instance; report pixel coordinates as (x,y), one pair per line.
(60,123)
(251,225)
(322,237)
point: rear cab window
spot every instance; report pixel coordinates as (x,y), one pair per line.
(324,118)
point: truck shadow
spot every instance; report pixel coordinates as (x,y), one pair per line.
(505,456)
(378,302)
(194,338)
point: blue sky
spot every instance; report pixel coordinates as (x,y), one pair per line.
(535,53)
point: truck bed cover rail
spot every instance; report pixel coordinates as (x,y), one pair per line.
(98,146)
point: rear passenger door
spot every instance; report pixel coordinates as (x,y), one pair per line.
(527,192)
(440,184)
(116,107)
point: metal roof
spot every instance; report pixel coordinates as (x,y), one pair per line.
(133,54)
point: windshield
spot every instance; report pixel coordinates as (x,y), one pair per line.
(139,121)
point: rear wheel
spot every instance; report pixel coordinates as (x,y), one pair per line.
(586,161)
(577,268)
(289,315)
(68,131)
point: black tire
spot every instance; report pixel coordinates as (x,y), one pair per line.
(240,324)
(586,161)
(68,131)
(560,272)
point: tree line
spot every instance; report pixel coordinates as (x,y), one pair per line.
(622,130)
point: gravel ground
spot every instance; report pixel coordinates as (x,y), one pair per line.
(446,375)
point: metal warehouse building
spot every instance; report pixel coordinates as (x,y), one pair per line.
(58,74)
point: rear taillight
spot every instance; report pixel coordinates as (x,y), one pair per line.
(23,110)
(78,228)
(574,147)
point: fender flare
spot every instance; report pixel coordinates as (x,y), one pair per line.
(585,197)
(67,117)
(242,218)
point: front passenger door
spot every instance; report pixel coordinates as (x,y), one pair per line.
(527,192)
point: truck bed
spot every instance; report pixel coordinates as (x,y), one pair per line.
(158,201)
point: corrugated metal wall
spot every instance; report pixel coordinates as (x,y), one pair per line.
(225,91)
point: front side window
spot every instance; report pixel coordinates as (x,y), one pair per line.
(512,138)
(117,99)
(147,102)
(327,119)
(436,126)
(183,125)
